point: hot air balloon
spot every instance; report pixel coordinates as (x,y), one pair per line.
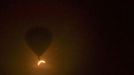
(38,39)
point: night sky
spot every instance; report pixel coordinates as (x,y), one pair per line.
(89,37)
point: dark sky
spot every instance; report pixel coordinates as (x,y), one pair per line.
(90,37)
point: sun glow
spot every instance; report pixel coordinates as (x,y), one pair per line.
(41,62)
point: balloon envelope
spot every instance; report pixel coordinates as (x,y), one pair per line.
(38,39)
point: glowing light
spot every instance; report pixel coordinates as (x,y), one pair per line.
(40,62)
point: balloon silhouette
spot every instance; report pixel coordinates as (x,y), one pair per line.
(38,39)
